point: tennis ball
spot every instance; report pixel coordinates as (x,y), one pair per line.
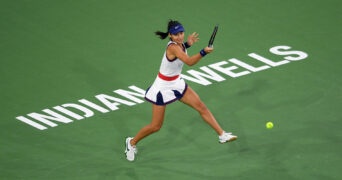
(269,125)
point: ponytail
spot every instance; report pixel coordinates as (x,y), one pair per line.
(164,35)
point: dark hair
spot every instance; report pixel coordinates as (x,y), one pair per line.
(163,35)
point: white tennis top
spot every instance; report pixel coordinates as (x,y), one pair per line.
(171,67)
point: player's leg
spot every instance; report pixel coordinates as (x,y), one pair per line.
(193,100)
(158,113)
(156,123)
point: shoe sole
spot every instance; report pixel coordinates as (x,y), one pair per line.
(126,148)
(230,140)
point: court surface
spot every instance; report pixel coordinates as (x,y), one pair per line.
(58,53)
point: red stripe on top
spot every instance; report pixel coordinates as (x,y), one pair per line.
(167,78)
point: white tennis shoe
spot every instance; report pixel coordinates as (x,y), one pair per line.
(130,150)
(227,137)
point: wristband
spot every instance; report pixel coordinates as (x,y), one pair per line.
(203,53)
(186,44)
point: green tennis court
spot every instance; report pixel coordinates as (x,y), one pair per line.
(73,74)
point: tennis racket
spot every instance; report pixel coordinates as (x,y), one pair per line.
(212,38)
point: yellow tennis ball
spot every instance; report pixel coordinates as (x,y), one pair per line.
(269,125)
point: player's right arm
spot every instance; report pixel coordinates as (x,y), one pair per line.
(175,51)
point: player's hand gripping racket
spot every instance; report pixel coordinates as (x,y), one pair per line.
(212,38)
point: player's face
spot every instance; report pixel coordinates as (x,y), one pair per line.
(178,38)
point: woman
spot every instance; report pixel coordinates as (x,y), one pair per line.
(169,87)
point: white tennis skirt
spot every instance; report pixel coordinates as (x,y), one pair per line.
(163,92)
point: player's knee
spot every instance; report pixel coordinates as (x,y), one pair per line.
(201,107)
(155,128)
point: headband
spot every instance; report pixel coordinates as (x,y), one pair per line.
(176,29)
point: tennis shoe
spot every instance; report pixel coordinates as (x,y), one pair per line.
(130,150)
(227,137)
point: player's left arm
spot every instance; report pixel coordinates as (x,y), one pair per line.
(192,38)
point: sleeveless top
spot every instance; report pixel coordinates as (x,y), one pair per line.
(171,67)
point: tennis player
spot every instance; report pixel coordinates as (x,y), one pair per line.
(169,87)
